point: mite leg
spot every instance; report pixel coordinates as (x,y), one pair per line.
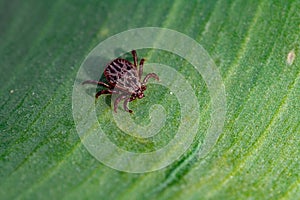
(141,68)
(133,52)
(125,105)
(117,101)
(151,75)
(96,83)
(105,92)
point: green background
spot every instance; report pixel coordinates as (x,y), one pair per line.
(42,45)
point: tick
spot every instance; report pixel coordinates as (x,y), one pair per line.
(124,79)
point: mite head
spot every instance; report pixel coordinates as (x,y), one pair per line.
(140,93)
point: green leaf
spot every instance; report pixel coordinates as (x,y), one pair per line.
(255,45)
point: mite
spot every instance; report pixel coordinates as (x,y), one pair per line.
(124,79)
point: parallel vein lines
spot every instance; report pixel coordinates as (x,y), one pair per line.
(260,140)
(244,44)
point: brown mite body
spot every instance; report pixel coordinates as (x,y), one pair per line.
(124,78)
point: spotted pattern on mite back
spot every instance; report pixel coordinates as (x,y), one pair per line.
(123,75)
